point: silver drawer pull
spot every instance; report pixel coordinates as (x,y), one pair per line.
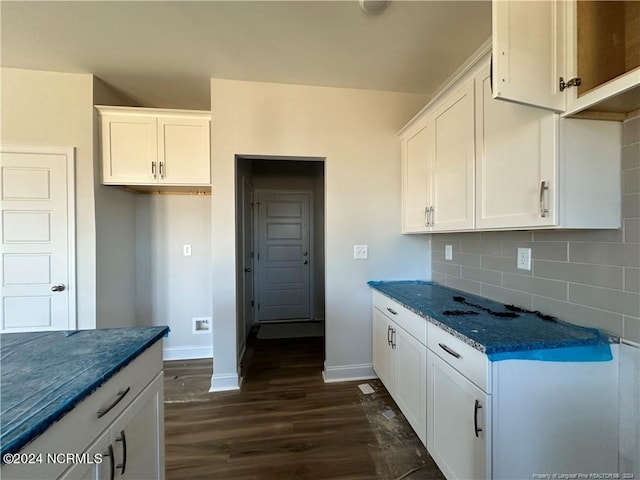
(121,394)
(391,310)
(476,407)
(449,351)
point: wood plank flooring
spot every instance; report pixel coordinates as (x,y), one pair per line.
(285,423)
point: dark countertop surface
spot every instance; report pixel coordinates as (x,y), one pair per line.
(45,374)
(498,330)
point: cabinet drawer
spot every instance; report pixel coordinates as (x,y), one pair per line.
(414,324)
(81,426)
(470,362)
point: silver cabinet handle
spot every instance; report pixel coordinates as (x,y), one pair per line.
(121,394)
(392,311)
(543,209)
(389,330)
(109,453)
(161,169)
(451,352)
(153,169)
(476,407)
(122,439)
(426,216)
(58,288)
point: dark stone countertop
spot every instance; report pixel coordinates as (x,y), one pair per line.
(45,374)
(496,329)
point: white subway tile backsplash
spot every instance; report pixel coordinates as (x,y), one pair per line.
(632,329)
(464,285)
(631,131)
(631,182)
(538,286)
(539,250)
(622,254)
(597,275)
(632,230)
(593,236)
(631,156)
(484,276)
(504,295)
(611,323)
(502,264)
(626,303)
(631,205)
(446,268)
(632,279)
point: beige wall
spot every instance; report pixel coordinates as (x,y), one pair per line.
(355,131)
(56,109)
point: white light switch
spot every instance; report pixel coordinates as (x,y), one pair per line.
(360,252)
(186,250)
(448,252)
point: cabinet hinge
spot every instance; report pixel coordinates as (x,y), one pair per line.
(253,304)
(574,82)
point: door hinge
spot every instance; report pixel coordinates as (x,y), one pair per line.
(253,303)
(574,82)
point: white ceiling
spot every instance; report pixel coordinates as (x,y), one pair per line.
(162,54)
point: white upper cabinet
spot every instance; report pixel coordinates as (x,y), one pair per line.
(515,169)
(438,155)
(568,55)
(142,146)
(417,186)
(453,162)
(471,162)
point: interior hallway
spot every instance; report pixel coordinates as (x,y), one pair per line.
(285,423)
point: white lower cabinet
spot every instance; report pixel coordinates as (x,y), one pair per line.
(117,432)
(513,419)
(132,447)
(400,359)
(458,422)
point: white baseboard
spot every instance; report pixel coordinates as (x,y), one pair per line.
(346,373)
(186,353)
(224,382)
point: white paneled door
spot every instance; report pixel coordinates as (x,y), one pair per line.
(37,239)
(284,256)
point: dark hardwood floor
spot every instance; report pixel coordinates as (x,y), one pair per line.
(285,423)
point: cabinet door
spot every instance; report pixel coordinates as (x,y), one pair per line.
(411,385)
(453,162)
(183,151)
(129,149)
(529,52)
(516,152)
(96,464)
(458,422)
(137,436)
(417,152)
(383,353)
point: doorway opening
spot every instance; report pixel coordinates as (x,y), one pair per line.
(280,248)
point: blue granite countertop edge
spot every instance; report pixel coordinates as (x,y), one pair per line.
(432,315)
(20,441)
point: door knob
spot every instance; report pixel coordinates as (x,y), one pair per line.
(306,262)
(247,270)
(58,288)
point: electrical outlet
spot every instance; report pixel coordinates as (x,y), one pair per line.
(186,250)
(524,259)
(201,324)
(448,252)
(360,252)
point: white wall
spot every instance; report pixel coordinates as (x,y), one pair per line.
(56,109)
(355,131)
(115,211)
(171,289)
